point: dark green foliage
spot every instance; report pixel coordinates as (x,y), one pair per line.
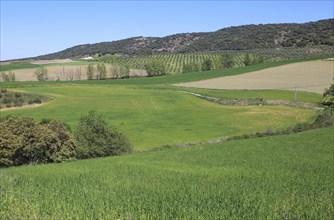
(23,141)
(41,73)
(97,139)
(227,61)
(328,95)
(207,65)
(155,68)
(191,67)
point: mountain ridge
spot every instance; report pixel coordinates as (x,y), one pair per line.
(244,37)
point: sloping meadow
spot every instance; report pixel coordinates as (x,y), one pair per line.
(281,177)
(154,117)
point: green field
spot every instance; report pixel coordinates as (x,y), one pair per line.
(17,65)
(151,117)
(279,177)
(282,177)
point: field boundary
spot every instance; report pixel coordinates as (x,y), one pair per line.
(258,102)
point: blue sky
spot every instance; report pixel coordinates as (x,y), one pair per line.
(31,28)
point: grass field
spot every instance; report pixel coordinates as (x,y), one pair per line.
(282,177)
(152,117)
(279,177)
(17,65)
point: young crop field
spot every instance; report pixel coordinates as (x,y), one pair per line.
(282,177)
(154,117)
(17,65)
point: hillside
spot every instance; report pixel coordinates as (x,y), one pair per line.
(282,177)
(244,37)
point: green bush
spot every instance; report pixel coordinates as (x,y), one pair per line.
(155,68)
(328,95)
(192,67)
(23,141)
(97,139)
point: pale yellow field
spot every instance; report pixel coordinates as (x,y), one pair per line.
(311,76)
(66,72)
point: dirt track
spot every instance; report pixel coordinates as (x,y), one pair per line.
(311,76)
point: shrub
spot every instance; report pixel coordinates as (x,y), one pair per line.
(191,67)
(328,96)
(23,141)
(96,138)
(207,65)
(155,68)
(18,94)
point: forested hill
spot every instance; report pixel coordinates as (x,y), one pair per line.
(232,38)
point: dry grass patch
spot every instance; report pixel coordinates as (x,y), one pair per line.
(311,76)
(67,72)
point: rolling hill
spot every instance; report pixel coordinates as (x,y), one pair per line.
(244,37)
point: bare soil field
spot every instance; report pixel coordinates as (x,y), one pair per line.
(311,76)
(66,72)
(50,61)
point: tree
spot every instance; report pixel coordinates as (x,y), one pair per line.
(90,71)
(124,71)
(261,59)
(227,61)
(207,64)
(4,77)
(247,60)
(102,70)
(191,67)
(97,139)
(41,73)
(23,141)
(328,97)
(155,68)
(11,76)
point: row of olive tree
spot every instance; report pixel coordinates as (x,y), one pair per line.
(217,63)
(252,59)
(23,141)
